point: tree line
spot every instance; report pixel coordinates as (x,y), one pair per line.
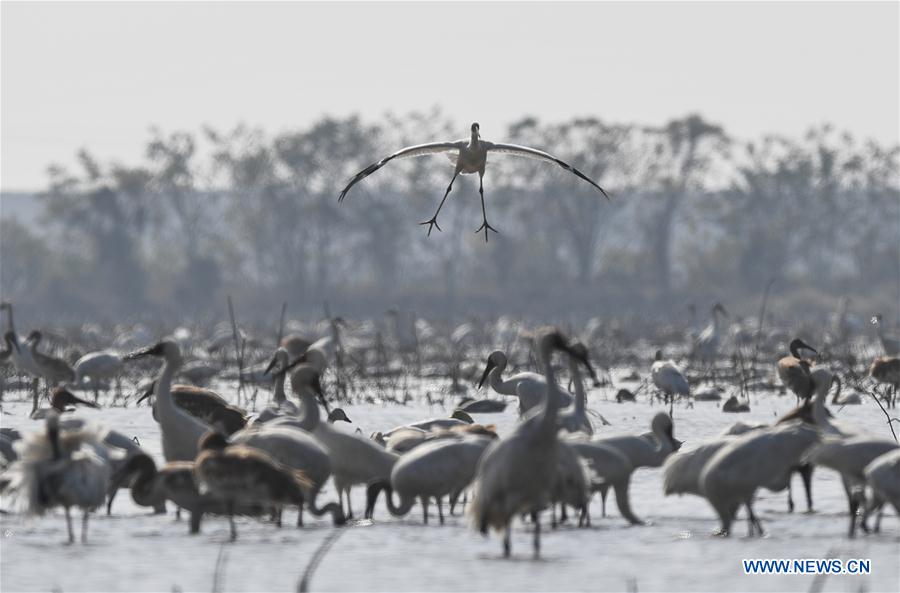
(696,215)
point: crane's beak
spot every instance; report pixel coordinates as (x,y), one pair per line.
(147,393)
(487,370)
(154,350)
(272,364)
(808,347)
(75,400)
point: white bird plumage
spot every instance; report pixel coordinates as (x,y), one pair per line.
(471,157)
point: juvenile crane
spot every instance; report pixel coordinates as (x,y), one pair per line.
(240,475)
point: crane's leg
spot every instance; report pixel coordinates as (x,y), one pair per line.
(806,471)
(507,548)
(349,506)
(432,222)
(231,521)
(753,523)
(84,527)
(69,526)
(790,498)
(424,501)
(196,518)
(484,226)
(537,534)
(604,491)
(440,506)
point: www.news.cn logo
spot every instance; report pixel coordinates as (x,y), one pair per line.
(808,566)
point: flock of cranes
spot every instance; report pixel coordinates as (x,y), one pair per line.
(220,460)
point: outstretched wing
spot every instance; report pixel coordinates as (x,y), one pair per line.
(409,151)
(533,153)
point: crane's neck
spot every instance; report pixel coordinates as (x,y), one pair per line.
(164,381)
(143,487)
(279,395)
(665,443)
(837,394)
(311,416)
(551,403)
(475,139)
(579,387)
(495,379)
(401,510)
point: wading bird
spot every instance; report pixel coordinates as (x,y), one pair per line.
(529,387)
(793,370)
(471,157)
(204,404)
(763,458)
(516,474)
(434,470)
(180,431)
(849,457)
(55,468)
(883,477)
(54,370)
(669,378)
(240,475)
(887,370)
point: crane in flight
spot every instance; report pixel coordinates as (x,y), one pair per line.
(471,157)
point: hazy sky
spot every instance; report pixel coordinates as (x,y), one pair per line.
(99,75)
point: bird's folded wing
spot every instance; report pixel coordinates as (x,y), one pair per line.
(533,153)
(409,151)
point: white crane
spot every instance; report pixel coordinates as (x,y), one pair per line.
(682,471)
(354,459)
(436,469)
(180,431)
(471,157)
(104,364)
(457,419)
(529,387)
(849,457)
(516,473)
(647,450)
(883,477)
(761,458)
(55,468)
(239,475)
(707,345)
(577,420)
(669,378)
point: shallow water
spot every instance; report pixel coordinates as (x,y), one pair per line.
(135,550)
